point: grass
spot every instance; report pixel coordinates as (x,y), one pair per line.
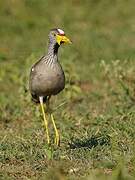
(95,113)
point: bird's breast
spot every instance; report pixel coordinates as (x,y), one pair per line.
(49,81)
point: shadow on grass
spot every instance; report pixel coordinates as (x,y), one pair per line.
(90,142)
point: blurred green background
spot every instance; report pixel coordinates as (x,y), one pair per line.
(96,111)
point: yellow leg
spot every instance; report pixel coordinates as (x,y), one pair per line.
(45,120)
(57,137)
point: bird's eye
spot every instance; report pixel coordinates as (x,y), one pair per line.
(54,34)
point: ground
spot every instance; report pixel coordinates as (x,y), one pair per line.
(95,114)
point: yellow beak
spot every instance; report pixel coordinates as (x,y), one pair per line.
(62,39)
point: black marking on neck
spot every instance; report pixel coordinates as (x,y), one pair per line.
(56,47)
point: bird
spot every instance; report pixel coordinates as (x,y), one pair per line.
(47,78)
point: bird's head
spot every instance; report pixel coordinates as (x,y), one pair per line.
(57,36)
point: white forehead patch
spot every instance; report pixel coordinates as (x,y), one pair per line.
(61,31)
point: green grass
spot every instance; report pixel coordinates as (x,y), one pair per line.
(96,117)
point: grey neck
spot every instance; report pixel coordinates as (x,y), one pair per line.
(52,54)
(53,49)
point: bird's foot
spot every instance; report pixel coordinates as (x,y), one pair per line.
(57,136)
(48,139)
